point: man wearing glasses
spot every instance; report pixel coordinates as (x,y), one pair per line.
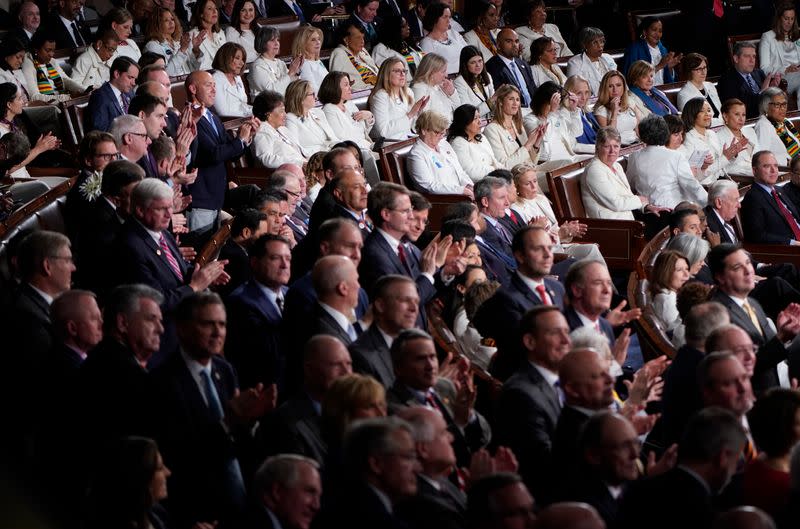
(131,135)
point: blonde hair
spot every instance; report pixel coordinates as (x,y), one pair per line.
(313,166)
(603,97)
(295,93)
(345,395)
(384,82)
(520,170)
(638,70)
(429,65)
(431,121)
(302,37)
(571,84)
(497,109)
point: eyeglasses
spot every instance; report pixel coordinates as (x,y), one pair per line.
(64,257)
(779,105)
(292,193)
(140,134)
(407,211)
(399,71)
(107,156)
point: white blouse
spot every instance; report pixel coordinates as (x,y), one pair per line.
(344,126)
(449,49)
(743,163)
(381,52)
(437,172)
(665,309)
(472,38)
(16,77)
(340,62)
(473,96)
(208,48)
(769,140)
(476,157)
(313,72)
(268,74)
(129,48)
(592,71)
(231,99)
(273,148)
(89,70)
(528,35)
(690,91)
(178,62)
(391,116)
(29,72)
(312,133)
(246,39)
(508,149)
(694,141)
(775,56)
(664,177)
(542,74)
(439,101)
(627,121)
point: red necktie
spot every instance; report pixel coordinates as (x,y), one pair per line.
(401,253)
(173,263)
(718,9)
(542,294)
(787,215)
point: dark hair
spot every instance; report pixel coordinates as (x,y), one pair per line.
(518,242)
(730,103)
(406,336)
(538,47)
(10,46)
(467,53)
(646,22)
(459,211)
(150,57)
(118,174)
(343,31)
(653,130)
(144,71)
(529,323)
(677,217)
(144,103)
(708,432)
(478,10)
(236,14)
(353,146)
(690,111)
(90,142)
(40,37)
(772,421)
(185,311)
(332,155)
(419,202)
(432,14)
(717,256)
(116,15)
(246,218)
(106,35)
(266,102)
(122,65)
(504,174)
(462,116)
(674,123)
(330,90)
(390,35)
(259,247)
(481,504)
(459,229)
(197,13)
(542,95)
(8,91)
(225,54)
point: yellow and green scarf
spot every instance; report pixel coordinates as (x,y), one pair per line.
(43,80)
(368,76)
(784,129)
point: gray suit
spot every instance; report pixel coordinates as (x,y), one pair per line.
(371,356)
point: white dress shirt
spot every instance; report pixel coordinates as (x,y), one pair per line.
(437,172)
(231,99)
(312,132)
(344,126)
(246,39)
(340,62)
(472,95)
(450,49)
(606,192)
(268,74)
(208,48)
(439,101)
(664,176)
(391,116)
(178,62)
(508,149)
(592,71)
(89,70)
(129,48)
(527,35)
(273,148)
(694,141)
(476,157)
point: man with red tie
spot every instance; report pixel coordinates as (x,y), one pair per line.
(768,217)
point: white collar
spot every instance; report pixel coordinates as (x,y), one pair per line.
(47,297)
(272,295)
(340,318)
(532,283)
(386,338)
(586,321)
(393,243)
(548,376)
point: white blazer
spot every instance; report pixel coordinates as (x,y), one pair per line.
(273,148)
(583,66)
(178,62)
(32,85)
(509,150)
(340,62)
(439,172)
(742,164)
(559,140)
(89,70)
(391,119)
(472,38)
(473,96)
(664,307)
(439,101)
(208,48)
(773,56)
(381,52)
(769,140)
(693,141)
(344,126)
(450,51)
(606,192)
(527,36)
(129,48)
(313,72)
(476,158)
(231,99)
(245,39)
(690,91)
(664,176)
(542,75)
(268,74)
(16,77)
(312,133)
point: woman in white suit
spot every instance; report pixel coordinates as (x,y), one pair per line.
(506,133)
(558,146)
(604,188)
(121,21)
(307,44)
(696,86)
(592,64)
(431,81)
(779,48)
(544,56)
(307,125)
(345,119)
(165,37)
(734,114)
(205,21)
(272,145)
(699,137)
(773,130)
(474,84)
(392,103)
(432,163)
(441,38)
(93,66)
(472,149)
(268,72)
(537,28)
(231,98)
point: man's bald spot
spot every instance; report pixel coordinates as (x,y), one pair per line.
(745,517)
(153,88)
(195,78)
(295,169)
(506,32)
(574,515)
(330,271)
(574,363)
(321,345)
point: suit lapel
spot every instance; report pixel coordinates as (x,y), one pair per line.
(160,258)
(261,302)
(391,252)
(547,390)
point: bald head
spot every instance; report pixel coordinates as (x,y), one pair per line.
(295,169)
(201,88)
(325,360)
(574,515)
(733,339)
(745,517)
(335,279)
(508,43)
(585,379)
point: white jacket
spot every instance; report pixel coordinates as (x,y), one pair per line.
(664,176)
(559,140)
(436,172)
(768,139)
(690,91)
(391,119)
(273,148)
(231,99)
(542,75)
(470,95)
(129,48)
(582,65)
(451,52)
(773,57)
(506,148)
(439,101)
(606,192)
(381,52)
(208,48)
(527,36)
(29,72)
(89,70)
(344,126)
(340,62)
(178,62)
(245,39)
(742,164)
(266,74)
(472,38)
(312,133)
(693,141)
(476,158)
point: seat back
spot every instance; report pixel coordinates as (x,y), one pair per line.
(653,341)
(392,165)
(211,249)
(72,121)
(564,185)
(671,20)
(644,264)
(177,90)
(753,38)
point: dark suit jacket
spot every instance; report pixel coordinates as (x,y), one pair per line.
(681,397)
(323,323)
(575,322)
(501,74)
(238,266)
(566,454)
(369,42)
(379,259)
(525,420)
(497,265)
(414,24)
(732,85)
(434,509)
(53,25)
(493,237)
(590,488)
(255,344)
(500,315)
(97,232)
(716,226)
(356,506)
(213,150)
(371,356)
(792,193)
(102,108)
(28,329)
(20,34)
(294,428)
(770,349)
(762,221)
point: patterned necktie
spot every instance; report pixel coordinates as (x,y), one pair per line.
(77,35)
(212,399)
(752,83)
(171,261)
(279,303)
(401,253)
(731,232)
(543,295)
(787,215)
(559,392)
(752,315)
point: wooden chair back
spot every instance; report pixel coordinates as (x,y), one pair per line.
(72,121)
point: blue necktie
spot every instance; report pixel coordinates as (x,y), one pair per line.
(523,88)
(211,121)
(298,12)
(752,83)
(214,406)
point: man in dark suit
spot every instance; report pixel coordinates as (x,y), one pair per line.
(203,419)
(394,309)
(416,369)
(77,328)
(66,27)
(248,225)
(113,97)
(500,315)
(723,204)
(507,68)
(134,142)
(744,81)
(335,279)
(709,454)
(502,492)
(257,347)
(414,18)
(365,15)
(215,147)
(735,278)
(288,488)
(589,289)
(29,21)
(349,190)
(148,254)
(530,402)
(289,183)
(767,216)
(294,428)
(491,196)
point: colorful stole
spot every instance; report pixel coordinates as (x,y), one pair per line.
(488,40)
(43,80)
(788,140)
(367,75)
(405,51)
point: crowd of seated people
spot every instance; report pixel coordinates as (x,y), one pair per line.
(310,272)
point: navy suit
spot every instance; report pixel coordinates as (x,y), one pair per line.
(214,148)
(371,356)
(255,343)
(294,428)
(497,265)
(732,85)
(575,322)
(238,266)
(502,74)
(762,221)
(493,236)
(681,396)
(102,109)
(379,259)
(53,26)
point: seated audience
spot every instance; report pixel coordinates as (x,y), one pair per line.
(648,99)
(351,58)
(574,107)
(66,23)
(777,50)
(306,45)
(431,83)
(774,132)
(268,72)
(344,118)
(441,38)
(394,41)
(536,16)
(473,83)
(113,97)
(92,67)
(243,27)
(559,134)
(695,67)
(649,48)
(506,132)
(205,26)
(483,34)
(734,131)
(365,15)
(768,217)
(273,146)
(29,18)
(45,80)
(13,120)
(120,21)
(231,99)
(12,56)
(165,36)
(472,149)
(477,290)
(491,496)
(507,68)
(432,163)
(592,64)
(306,124)
(616,108)
(544,60)
(701,139)
(392,103)
(744,81)
(670,273)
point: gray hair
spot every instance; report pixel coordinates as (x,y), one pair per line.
(282,470)
(369,438)
(279,178)
(576,274)
(125,299)
(719,188)
(421,428)
(147,191)
(264,35)
(123,125)
(740,46)
(398,349)
(653,130)
(606,134)
(485,187)
(708,432)
(693,247)
(588,34)
(163,148)
(703,320)
(36,247)
(589,338)
(766,96)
